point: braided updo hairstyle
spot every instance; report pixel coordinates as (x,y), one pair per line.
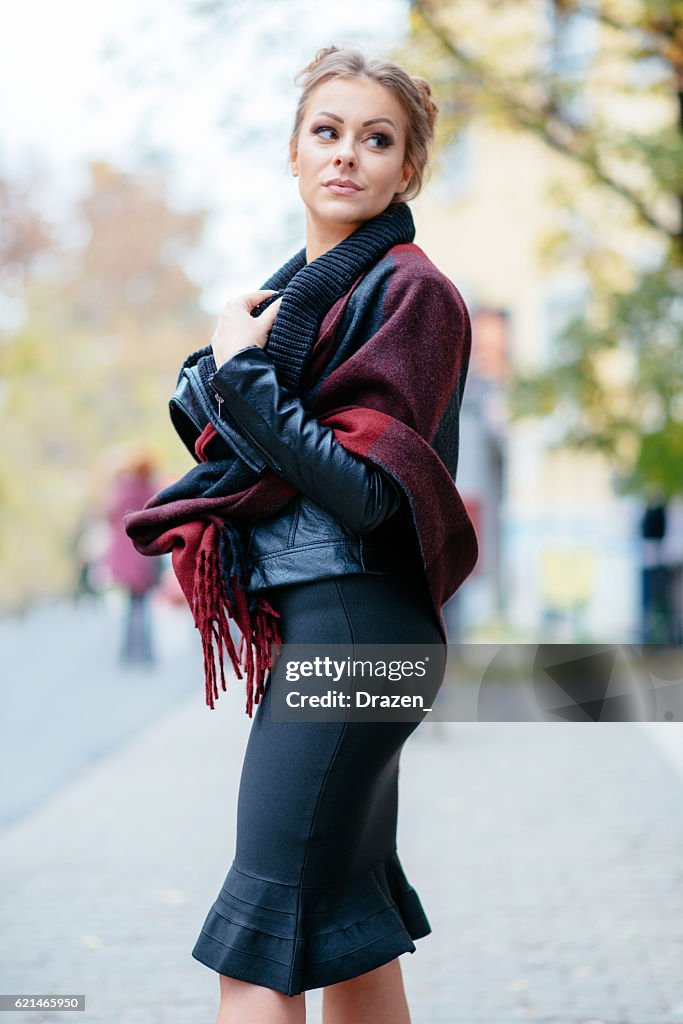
(413,93)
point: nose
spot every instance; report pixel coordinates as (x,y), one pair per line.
(345,155)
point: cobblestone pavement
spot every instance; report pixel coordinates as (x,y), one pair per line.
(547,856)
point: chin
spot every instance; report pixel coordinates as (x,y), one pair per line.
(346,210)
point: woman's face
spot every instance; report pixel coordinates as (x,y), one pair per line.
(335,141)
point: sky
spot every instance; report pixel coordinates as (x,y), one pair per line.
(134,80)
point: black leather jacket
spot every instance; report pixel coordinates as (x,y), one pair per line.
(337,524)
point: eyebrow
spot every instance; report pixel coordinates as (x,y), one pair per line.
(373,120)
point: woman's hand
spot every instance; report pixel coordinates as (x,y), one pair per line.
(237,327)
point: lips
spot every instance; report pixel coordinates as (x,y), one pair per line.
(344,183)
(343,188)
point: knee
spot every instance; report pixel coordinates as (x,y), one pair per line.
(379,976)
(245,1003)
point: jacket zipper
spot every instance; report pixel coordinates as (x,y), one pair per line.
(250,437)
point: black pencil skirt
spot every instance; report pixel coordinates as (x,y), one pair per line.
(316,893)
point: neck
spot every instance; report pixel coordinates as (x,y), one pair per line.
(321,236)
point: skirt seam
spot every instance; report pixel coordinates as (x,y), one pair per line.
(290,913)
(298,937)
(357,949)
(270,959)
(317,935)
(259,931)
(293,885)
(346,613)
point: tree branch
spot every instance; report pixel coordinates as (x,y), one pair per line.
(558,133)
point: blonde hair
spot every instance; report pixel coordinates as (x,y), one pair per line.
(412,92)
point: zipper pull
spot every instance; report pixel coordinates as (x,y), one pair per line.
(219,398)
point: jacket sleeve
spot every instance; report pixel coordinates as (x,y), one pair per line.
(296,446)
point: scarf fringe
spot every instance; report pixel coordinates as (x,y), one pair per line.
(216,601)
(256,653)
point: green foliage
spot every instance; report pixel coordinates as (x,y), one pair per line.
(615,379)
(635,416)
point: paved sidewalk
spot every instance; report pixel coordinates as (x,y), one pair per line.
(548,857)
(67,700)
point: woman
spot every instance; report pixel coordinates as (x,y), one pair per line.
(335,511)
(137,576)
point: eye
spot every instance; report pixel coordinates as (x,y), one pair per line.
(384,139)
(324,128)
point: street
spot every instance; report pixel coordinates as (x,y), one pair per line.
(547,855)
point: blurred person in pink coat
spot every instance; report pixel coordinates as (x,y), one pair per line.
(137,574)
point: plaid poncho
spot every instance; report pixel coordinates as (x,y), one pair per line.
(375,340)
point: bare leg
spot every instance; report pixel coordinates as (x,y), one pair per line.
(244,1003)
(377,997)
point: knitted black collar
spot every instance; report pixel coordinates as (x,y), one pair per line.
(309,290)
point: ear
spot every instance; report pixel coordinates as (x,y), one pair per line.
(407,175)
(293,158)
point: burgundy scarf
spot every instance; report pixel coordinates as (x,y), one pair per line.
(376,341)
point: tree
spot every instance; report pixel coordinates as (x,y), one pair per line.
(617,380)
(91,367)
(26,236)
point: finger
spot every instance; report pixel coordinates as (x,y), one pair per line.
(253,298)
(272,310)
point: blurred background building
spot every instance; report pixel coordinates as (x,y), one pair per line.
(156,186)
(564,553)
